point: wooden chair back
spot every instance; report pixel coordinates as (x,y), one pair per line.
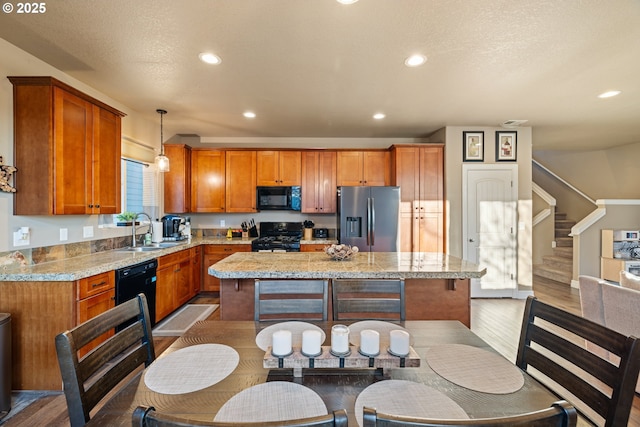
(89,378)
(281,299)
(381,299)
(560,414)
(552,342)
(145,416)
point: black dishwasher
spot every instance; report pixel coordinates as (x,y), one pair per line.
(135,279)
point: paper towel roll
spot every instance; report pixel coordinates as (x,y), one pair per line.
(157,231)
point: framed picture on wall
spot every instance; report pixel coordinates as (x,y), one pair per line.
(473,146)
(506,146)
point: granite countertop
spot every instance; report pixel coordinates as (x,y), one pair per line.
(316,265)
(79,267)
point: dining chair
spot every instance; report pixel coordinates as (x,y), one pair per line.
(146,416)
(559,414)
(280,299)
(552,349)
(379,299)
(88,379)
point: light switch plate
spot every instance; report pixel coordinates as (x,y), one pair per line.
(223,223)
(64,234)
(87,231)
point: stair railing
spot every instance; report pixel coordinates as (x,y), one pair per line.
(553,174)
(549,200)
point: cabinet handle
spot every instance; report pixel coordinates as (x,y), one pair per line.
(97,206)
(90,206)
(452,284)
(95,285)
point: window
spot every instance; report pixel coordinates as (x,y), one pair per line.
(139,188)
(132,186)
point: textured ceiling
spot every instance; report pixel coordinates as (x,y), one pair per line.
(316,68)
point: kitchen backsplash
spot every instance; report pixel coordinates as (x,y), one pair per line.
(32,256)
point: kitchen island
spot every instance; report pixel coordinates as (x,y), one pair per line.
(437,286)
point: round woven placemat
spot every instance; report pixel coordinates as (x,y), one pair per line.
(400,397)
(382,327)
(475,368)
(272,401)
(191,368)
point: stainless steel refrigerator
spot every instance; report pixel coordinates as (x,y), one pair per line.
(368,218)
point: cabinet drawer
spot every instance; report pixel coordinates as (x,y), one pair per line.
(172,258)
(226,249)
(312,247)
(93,285)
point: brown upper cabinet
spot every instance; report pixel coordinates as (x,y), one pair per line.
(208,180)
(319,181)
(363,168)
(278,168)
(419,171)
(240,183)
(67,149)
(177,182)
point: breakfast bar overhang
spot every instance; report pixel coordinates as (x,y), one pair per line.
(437,286)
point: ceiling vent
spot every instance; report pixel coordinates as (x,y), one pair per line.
(513,123)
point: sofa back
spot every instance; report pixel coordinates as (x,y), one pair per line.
(613,306)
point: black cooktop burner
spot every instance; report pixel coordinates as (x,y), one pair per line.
(278,236)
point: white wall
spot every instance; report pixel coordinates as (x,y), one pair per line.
(453,189)
(600,174)
(45,230)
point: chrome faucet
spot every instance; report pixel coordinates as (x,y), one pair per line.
(134,228)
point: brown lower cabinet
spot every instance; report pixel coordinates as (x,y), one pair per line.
(173,282)
(213,254)
(40,311)
(196,269)
(96,294)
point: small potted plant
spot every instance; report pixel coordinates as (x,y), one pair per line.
(308,229)
(126,218)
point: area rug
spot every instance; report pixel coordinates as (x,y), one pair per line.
(178,323)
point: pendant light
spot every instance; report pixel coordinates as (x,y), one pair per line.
(162,161)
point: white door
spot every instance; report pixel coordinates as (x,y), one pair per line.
(489,203)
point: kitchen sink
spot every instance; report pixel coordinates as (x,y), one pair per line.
(152,247)
(141,249)
(165,244)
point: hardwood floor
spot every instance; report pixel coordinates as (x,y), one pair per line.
(497,321)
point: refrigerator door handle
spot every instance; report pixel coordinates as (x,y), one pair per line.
(371,212)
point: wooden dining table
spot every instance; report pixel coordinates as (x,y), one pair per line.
(338,388)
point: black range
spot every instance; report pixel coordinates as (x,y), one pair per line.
(278,237)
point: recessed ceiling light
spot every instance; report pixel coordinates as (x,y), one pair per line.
(609,94)
(347,1)
(379,116)
(415,60)
(210,58)
(249,114)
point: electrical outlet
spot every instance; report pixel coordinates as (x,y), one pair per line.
(64,234)
(223,223)
(21,237)
(87,231)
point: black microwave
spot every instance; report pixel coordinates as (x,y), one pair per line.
(279,198)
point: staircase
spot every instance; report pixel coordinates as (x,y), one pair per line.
(559,266)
